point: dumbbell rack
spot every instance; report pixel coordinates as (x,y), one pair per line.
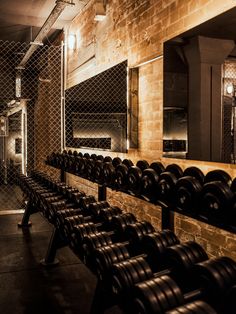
(167,216)
(167,213)
(101,293)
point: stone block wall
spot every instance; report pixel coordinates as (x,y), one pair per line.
(215,241)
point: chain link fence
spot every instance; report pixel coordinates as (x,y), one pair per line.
(30,114)
(229,112)
(96,111)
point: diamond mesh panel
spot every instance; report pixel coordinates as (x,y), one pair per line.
(229,112)
(33,116)
(96,111)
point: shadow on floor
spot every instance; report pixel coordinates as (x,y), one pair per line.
(26,287)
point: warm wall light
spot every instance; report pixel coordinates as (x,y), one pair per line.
(100,10)
(71,41)
(230,88)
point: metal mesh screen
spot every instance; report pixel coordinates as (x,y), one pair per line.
(30,110)
(96,111)
(229,112)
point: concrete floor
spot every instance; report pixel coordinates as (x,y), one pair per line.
(26,287)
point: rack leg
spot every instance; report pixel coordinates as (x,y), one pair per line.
(24,223)
(167,219)
(54,244)
(102,192)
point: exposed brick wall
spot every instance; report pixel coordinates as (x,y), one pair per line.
(215,241)
(135,31)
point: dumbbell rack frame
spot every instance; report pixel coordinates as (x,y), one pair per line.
(102,299)
(167,213)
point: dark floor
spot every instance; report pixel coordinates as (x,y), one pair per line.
(26,287)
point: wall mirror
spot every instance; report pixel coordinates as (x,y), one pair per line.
(96,111)
(199,119)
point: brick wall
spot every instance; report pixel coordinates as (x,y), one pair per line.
(215,241)
(135,31)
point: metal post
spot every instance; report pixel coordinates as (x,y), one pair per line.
(54,244)
(102,192)
(167,218)
(63,175)
(25,219)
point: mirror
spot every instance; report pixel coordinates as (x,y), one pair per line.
(96,111)
(199,118)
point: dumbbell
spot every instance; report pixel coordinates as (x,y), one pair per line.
(79,166)
(118,224)
(102,210)
(95,208)
(195,307)
(52,205)
(217,200)
(90,168)
(132,231)
(105,257)
(116,161)
(180,258)
(109,171)
(214,279)
(166,185)
(188,189)
(79,231)
(98,172)
(191,195)
(122,174)
(149,181)
(135,176)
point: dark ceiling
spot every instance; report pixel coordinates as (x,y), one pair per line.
(21,20)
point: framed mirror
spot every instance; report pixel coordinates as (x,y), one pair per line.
(199,118)
(96,111)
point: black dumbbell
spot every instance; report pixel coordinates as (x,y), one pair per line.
(86,155)
(122,174)
(117,224)
(214,277)
(98,174)
(217,202)
(187,194)
(175,169)
(95,207)
(135,176)
(128,163)
(132,231)
(180,258)
(90,168)
(109,173)
(149,181)
(105,257)
(107,159)
(52,205)
(154,246)
(188,191)
(195,307)
(218,175)
(116,161)
(107,214)
(196,173)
